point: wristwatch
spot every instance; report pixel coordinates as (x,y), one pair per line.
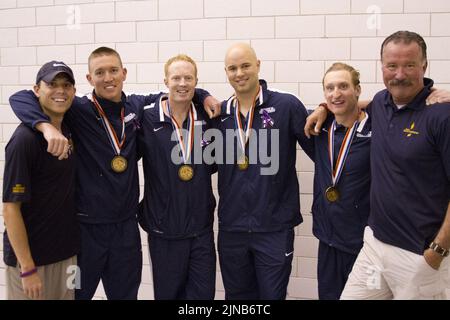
(438,249)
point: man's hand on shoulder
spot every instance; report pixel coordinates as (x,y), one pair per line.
(315,121)
(438,96)
(58,144)
(212,106)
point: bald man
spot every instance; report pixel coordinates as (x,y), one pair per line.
(259,194)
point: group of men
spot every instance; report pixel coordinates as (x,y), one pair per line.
(382,178)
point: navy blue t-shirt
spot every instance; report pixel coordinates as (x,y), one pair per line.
(45,186)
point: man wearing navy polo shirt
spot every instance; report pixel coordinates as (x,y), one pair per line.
(178,206)
(259,202)
(408,237)
(42,237)
(341,180)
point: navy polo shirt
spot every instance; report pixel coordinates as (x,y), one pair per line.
(341,224)
(172,208)
(410,160)
(45,186)
(250,201)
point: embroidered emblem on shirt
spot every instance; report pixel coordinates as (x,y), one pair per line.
(268,110)
(199,122)
(18,188)
(368,135)
(130,117)
(409,131)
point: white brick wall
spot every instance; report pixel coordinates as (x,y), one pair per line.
(158,31)
(9,75)
(385,6)
(17,17)
(180,9)
(75,36)
(17,56)
(348,26)
(9,38)
(275,8)
(230,8)
(142,10)
(324,6)
(300,27)
(250,28)
(35,36)
(60,53)
(8,4)
(205,29)
(296,41)
(170,48)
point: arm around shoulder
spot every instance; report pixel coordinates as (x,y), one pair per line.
(58,144)
(26,107)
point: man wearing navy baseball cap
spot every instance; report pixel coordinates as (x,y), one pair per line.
(42,237)
(51,69)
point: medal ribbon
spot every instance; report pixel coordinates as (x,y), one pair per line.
(112,136)
(343,151)
(243,139)
(185,148)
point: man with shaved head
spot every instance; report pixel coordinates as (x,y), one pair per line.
(259,199)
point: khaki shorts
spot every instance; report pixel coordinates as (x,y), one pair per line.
(383,271)
(56,280)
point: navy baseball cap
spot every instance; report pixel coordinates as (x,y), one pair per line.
(51,69)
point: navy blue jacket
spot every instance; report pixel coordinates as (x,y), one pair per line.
(250,201)
(172,208)
(341,224)
(102,195)
(410,159)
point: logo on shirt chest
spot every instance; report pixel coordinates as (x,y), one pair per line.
(410,131)
(18,188)
(267,110)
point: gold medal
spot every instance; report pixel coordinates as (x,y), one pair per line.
(332,194)
(186,172)
(243,163)
(119,164)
